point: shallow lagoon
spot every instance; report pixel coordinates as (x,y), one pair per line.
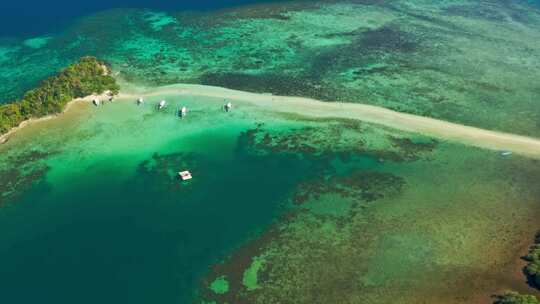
(108,217)
(96,209)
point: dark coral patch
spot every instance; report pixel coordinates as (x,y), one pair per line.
(160,172)
(388,39)
(410,149)
(360,186)
(23,171)
(235,265)
(269,83)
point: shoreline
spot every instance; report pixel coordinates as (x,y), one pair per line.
(467,135)
(4,138)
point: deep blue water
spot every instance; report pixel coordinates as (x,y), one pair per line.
(26,18)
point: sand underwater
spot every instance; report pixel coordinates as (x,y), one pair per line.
(284,208)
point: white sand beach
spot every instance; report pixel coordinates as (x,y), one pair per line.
(487,139)
(444,130)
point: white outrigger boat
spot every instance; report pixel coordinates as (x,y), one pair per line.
(140,101)
(183,112)
(185,175)
(162,104)
(228,106)
(505,153)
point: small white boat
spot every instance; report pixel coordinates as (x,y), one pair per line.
(96,102)
(183,112)
(140,101)
(162,104)
(228,107)
(185,175)
(505,153)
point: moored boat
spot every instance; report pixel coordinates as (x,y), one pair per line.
(183,112)
(228,106)
(505,153)
(185,175)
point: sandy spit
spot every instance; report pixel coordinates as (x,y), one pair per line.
(494,140)
(487,139)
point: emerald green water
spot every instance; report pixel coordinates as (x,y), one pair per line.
(109,222)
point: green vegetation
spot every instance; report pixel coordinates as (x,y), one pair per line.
(532,270)
(86,77)
(516,298)
(533,258)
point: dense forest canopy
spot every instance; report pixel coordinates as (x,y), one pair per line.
(516,298)
(86,77)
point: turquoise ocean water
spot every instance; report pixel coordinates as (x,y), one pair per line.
(92,211)
(108,222)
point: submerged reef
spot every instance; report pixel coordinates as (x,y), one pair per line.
(328,138)
(158,171)
(21,172)
(363,213)
(363,230)
(470,62)
(360,186)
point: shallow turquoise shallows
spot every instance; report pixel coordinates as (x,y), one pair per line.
(110,222)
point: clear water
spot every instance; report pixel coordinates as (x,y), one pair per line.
(91,210)
(34,18)
(110,222)
(469,62)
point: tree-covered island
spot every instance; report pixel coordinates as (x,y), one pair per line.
(86,77)
(516,298)
(532,270)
